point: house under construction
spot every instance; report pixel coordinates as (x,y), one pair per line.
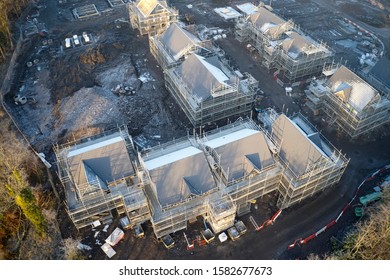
(151,16)
(282,46)
(349,101)
(172,46)
(208,90)
(310,162)
(98,176)
(202,83)
(214,176)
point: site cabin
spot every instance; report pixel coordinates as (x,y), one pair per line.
(116,236)
(367,199)
(107,249)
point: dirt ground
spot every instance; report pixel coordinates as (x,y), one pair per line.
(74,92)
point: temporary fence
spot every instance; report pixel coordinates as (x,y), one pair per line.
(333,222)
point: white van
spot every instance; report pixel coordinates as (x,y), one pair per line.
(67,43)
(76,40)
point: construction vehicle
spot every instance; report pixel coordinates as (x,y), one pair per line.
(365,200)
(359,211)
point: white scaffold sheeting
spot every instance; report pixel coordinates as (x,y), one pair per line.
(115,237)
(107,249)
(247,8)
(227,12)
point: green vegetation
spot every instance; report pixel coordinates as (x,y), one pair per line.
(371,238)
(27,202)
(20,203)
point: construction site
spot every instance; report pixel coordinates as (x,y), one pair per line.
(215,175)
(349,101)
(166,128)
(151,16)
(282,47)
(200,78)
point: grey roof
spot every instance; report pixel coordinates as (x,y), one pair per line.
(296,45)
(297,149)
(105,160)
(147,7)
(381,71)
(241,156)
(202,75)
(266,21)
(177,179)
(178,41)
(352,89)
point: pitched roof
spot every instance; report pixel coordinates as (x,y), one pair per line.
(178,41)
(179,174)
(296,45)
(104,160)
(146,7)
(297,149)
(352,89)
(202,75)
(242,152)
(266,21)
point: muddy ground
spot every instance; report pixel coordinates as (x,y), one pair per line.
(71,91)
(74,92)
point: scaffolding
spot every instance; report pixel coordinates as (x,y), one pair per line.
(236,99)
(90,201)
(221,213)
(136,195)
(319,173)
(352,122)
(151,16)
(269,44)
(166,58)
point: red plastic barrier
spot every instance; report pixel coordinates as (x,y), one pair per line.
(332,223)
(307,239)
(295,243)
(345,208)
(369,179)
(276,215)
(339,216)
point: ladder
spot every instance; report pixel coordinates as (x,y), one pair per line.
(252,220)
(190,246)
